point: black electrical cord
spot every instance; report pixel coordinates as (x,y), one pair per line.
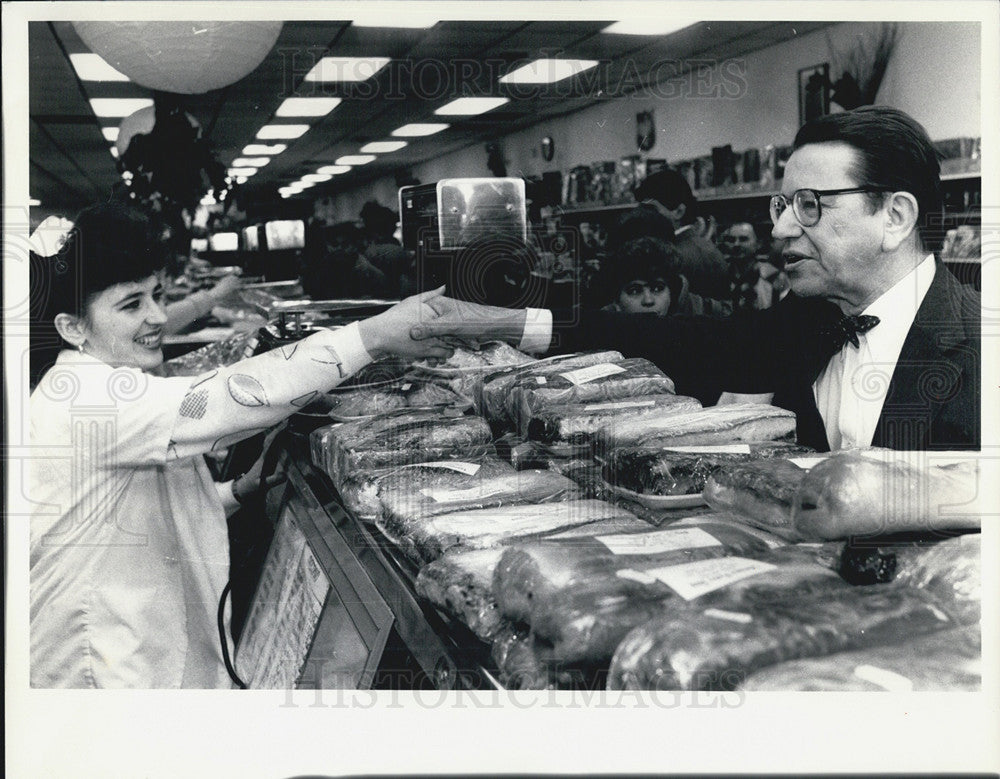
(225,643)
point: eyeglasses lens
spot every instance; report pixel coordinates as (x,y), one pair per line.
(806,207)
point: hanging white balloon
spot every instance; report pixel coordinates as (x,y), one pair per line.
(186,58)
(141,123)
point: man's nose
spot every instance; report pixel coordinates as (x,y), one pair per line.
(787,226)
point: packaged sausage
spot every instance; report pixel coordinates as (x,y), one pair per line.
(734,423)
(575,423)
(717,646)
(945,661)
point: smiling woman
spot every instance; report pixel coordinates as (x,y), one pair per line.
(129,546)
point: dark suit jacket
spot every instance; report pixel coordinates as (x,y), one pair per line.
(933,396)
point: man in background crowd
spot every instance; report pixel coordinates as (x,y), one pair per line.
(700,261)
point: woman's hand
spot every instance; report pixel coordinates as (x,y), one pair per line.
(389,332)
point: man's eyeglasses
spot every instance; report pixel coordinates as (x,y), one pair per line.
(806,204)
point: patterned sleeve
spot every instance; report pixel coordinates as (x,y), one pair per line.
(229,404)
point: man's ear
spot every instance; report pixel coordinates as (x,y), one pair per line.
(901,214)
(71,329)
(678,211)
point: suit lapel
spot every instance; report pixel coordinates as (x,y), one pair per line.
(907,414)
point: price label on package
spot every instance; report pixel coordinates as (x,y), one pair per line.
(592,373)
(618,404)
(692,580)
(469,469)
(658,541)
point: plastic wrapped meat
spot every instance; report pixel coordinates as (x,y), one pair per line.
(360,492)
(717,647)
(460,583)
(736,423)
(951,570)
(575,423)
(585,623)
(214,355)
(606,381)
(398,439)
(530,575)
(946,661)
(496,387)
(407,497)
(365,401)
(668,471)
(429,538)
(761,491)
(877,492)
(522,662)
(495,354)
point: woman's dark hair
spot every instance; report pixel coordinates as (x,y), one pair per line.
(645,258)
(110,243)
(894,153)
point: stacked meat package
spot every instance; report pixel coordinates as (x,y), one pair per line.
(587,524)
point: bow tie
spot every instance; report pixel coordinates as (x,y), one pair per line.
(847,329)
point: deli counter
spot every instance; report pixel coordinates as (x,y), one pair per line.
(498,521)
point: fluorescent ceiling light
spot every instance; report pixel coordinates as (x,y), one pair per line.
(470,106)
(547,71)
(270,132)
(263,148)
(110,134)
(305,184)
(92,67)
(114,152)
(242,171)
(241,179)
(355,159)
(404,21)
(317,178)
(418,130)
(307,106)
(34,201)
(208,200)
(119,106)
(382,147)
(344,69)
(646,27)
(250,162)
(334,170)
(287,193)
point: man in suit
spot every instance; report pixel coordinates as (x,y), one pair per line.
(877,344)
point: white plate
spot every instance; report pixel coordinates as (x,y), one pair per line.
(658,501)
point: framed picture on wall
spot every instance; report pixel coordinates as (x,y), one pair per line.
(814,92)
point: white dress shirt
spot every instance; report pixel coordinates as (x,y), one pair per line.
(852,387)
